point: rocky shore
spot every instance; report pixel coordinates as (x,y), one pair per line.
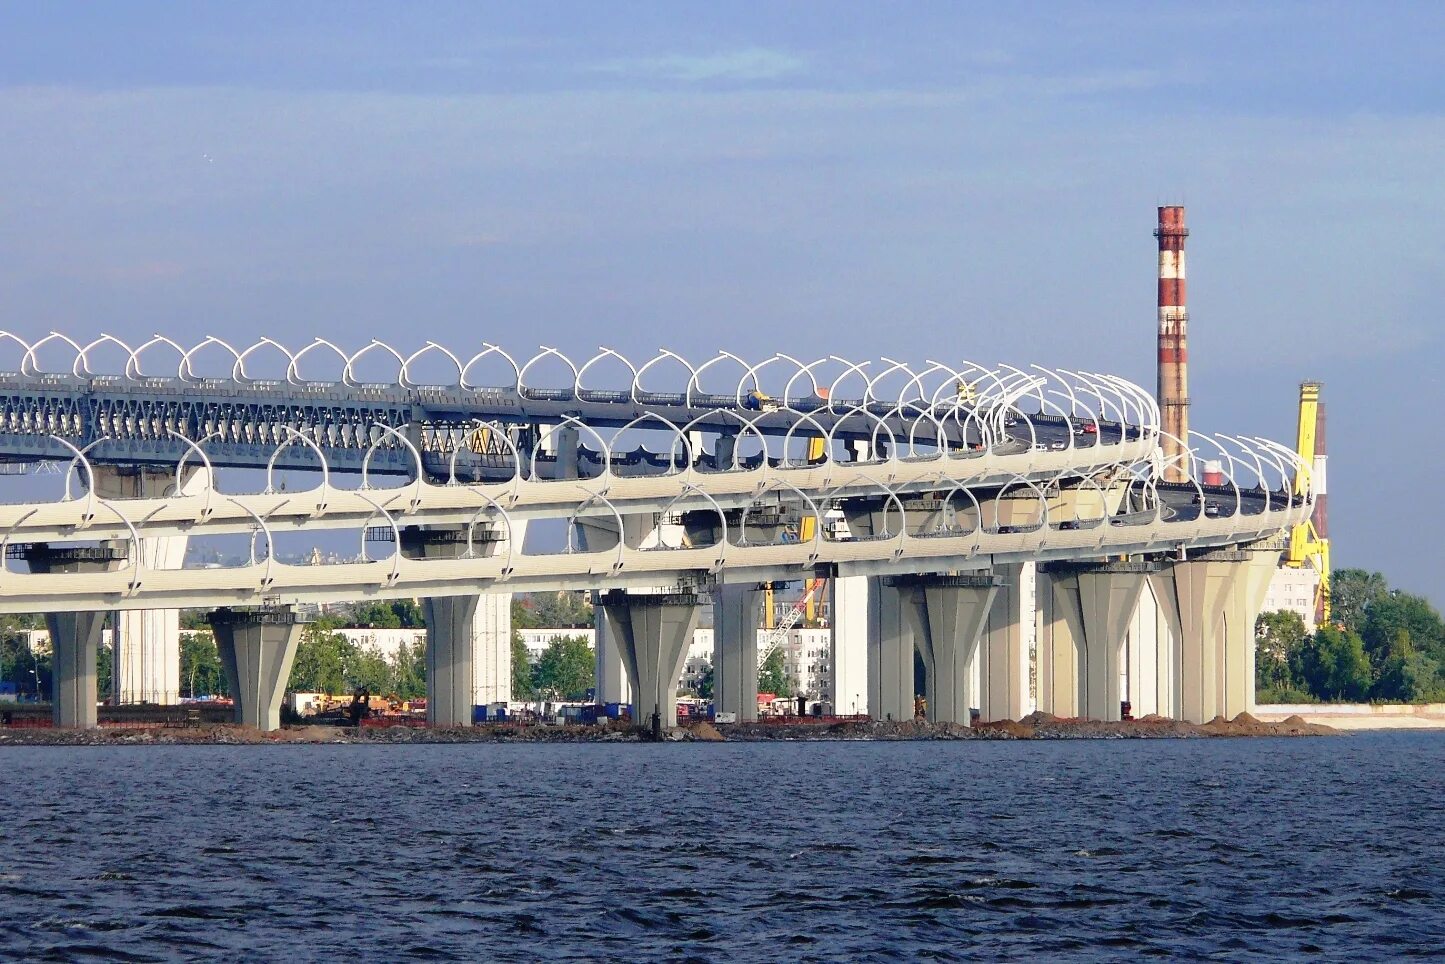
(1037,726)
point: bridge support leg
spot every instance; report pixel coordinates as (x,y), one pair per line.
(257,649)
(947,615)
(1192,597)
(147,667)
(1095,605)
(1004,650)
(848,654)
(1246,598)
(1058,665)
(653,633)
(891,687)
(737,614)
(74,636)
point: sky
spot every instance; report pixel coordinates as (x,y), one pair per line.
(929,180)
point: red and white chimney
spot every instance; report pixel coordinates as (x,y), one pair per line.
(1173,342)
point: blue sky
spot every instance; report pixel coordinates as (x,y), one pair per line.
(928,180)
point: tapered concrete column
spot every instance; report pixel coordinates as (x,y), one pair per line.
(1004,669)
(74,636)
(1057,681)
(1246,598)
(737,614)
(147,665)
(653,632)
(947,614)
(848,653)
(1095,605)
(596,534)
(890,654)
(257,649)
(1192,598)
(450,623)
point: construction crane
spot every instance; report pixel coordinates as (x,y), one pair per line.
(805,608)
(778,633)
(1309,542)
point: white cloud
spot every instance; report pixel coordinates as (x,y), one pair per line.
(745,64)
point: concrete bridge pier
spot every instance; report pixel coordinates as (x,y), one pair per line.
(1246,599)
(257,648)
(74,636)
(653,632)
(891,688)
(1004,662)
(737,615)
(147,666)
(848,652)
(947,616)
(1192,598)
(1093,606)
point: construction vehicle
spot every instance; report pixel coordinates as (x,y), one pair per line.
(1309,543)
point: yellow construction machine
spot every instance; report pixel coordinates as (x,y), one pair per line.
(1309,543)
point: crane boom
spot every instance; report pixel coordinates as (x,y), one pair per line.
(1309,542)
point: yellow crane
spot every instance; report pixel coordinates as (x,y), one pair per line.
(1309,543)
(813,587)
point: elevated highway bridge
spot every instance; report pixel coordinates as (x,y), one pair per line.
(928,489)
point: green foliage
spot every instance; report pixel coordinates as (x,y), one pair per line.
(1279,641)
(1351,593)
(28,670)
(521,667)
(707,682)
(320,661)
(328,662)
(195,619)
(375,615)
(566,670)
(772,677)
(201,672)
(1335,666)
(409,671)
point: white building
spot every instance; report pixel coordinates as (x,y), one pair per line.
(1294,590)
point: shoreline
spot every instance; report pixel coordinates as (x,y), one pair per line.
(1037,726)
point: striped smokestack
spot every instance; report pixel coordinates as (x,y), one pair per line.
(1173,340)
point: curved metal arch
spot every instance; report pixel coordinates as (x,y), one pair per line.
(1238,499)
(552,429)
(804,370)
(786,463)
(917,379)
(28,363)
(544,353)
(511,534)
(1249,452)
(721,545)
(500,433)
(1124,400)
(603,352)
(347,377)
(490,349)
(238,370)
(1038,492)
(748,425)
(266,577)
(80,368)
(136,560)
(679,437)
(9,534)
(752,373)
(395,575)
(767,487)
(869,396)
(293,371)
(1273,456)
(416,456)
(1301,465)
(133,369)
(977,530)
(89,513)
(873,436)
(662,355)
(189,372)
(1187,458)
(893,497)
(24,347)
(851,369)
(294,436)
(404,376)
(592,497)
(205,460)
(1088,384)
(696,380)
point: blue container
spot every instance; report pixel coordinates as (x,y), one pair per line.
(501,713)
(615,710)
(479,714)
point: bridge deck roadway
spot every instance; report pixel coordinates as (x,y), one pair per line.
(422,503)
(272,583)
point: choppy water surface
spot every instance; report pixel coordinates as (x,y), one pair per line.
(1269,848)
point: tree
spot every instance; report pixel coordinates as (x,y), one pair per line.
(201,672)
(1335,666)
(1279,637)
(772,676)
(321,658)
(521,668)
(566,669)
(366,668)
(1390,614)
(706,682)
(408,671)
(1351,593)
(375,615)
(408,613)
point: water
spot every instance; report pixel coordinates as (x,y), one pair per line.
(1231,849)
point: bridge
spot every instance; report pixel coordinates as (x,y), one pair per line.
(949,505)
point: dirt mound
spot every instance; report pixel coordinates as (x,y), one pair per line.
(705,733)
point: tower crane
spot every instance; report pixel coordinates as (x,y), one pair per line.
(1309,542)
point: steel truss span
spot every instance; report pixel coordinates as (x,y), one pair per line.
(952,467)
